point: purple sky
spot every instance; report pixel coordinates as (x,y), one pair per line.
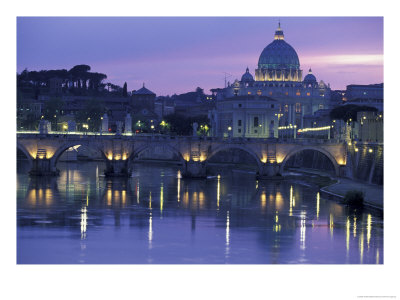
(177,54)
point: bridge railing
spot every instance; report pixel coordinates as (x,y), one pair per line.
(164,137)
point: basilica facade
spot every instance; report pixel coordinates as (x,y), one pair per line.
(279,96)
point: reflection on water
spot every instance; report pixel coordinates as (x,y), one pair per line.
(157,217)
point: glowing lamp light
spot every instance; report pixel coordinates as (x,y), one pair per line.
(356,149)
(124,156)
(109,157)
(370,150)
(229,128)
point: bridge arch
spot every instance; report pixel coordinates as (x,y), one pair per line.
(318,149)
(70,144)
(174,150)
(240,147)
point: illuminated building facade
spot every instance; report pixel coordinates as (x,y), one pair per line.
(278,79)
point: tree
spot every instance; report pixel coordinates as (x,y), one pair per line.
(125,90)
(52,110)
(200,91)
(91,114)
(349,111)
(182,125)
(79,75)
(30,123)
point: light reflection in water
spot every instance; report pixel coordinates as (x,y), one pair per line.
(361,247)
(277,227)
(109,196)
(355,227)
(97,179)
(263,199)
(150,199)
(218,189)
(279,201)
(303,231)
(137,191)
(195,199)
(179,176)
(186,196)
(83,222)
(369,226)
(38,196)
(161,197)
(150,235)
(117,196)
(123,197)
(203,197)
(227,236)
(291,201)
(31,197)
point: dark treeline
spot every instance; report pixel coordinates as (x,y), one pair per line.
(78,81)
(349,111)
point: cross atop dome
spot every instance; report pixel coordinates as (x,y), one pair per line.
(279,32)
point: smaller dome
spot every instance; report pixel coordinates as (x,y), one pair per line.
(247,76)
(310,78)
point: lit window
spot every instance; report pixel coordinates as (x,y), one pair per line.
(270,93)
(249,93)
(298,93)
(298,107)
(286,108)
(259,92)
(308,93)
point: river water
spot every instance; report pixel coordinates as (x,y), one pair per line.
(81,217)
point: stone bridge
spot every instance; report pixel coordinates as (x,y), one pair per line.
(119,151)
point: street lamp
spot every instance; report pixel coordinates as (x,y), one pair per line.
(86,126)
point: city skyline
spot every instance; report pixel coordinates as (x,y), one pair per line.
(175,55)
